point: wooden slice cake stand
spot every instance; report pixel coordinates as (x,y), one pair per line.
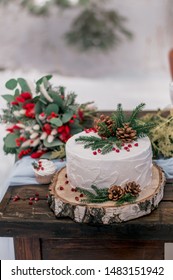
(65,201)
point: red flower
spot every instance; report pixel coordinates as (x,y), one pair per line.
(14,103)
(30,113)
(20,99)
(26,95)
(47,128)
(11,129)
(64,132)
(37,154)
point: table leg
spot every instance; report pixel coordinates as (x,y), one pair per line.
(27,248)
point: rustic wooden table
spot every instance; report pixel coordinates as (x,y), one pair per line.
(39,235)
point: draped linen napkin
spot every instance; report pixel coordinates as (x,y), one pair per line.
(23,174)
(167,166)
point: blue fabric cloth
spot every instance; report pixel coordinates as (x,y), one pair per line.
(22,172)
(167,166)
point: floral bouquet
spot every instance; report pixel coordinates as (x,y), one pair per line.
(41,118)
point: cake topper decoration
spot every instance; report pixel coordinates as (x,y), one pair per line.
(116,129)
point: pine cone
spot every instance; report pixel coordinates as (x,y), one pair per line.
(115,193)
(133,188)
(103,119)
(126,133)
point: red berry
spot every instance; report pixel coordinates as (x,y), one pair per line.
(36,198)
(94,153)
(117,151)
(129,145)
(66,182)
(77,198)
(99,150)
(31,198)
(36,194)
(81,195)
(72,189)
(61,188)
(42,168)
(136,144)
(128,150)
(65,175)
(113,149)
(122,144)
(30,202)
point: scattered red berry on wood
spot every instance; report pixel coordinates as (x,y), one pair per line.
(36,198)
(61,188)
(66,182)
(73,189)
(36,194)
(81,195)
(30,202)
(77,198)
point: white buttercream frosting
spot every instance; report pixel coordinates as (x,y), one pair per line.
(115,168)
(48,168)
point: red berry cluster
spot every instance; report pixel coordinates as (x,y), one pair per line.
(129,146)
(38,166)
(24,153)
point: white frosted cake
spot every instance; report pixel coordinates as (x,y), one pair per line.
(85,167)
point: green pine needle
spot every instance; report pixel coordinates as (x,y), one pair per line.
(128,197)
(135,113)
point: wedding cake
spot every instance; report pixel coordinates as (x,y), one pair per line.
(116,152)
(133,162)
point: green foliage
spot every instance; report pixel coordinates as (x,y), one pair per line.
(97,196)
(110,138)
(101,196)
(95,143)
(52,108)
(128,197)
(9,98)
(11,84)
(161,135)
(56,122)
(10,143)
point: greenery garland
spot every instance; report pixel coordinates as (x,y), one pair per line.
(110,137)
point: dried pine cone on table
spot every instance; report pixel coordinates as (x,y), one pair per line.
(115,193)
(107,128)
(126,133)
(133,188)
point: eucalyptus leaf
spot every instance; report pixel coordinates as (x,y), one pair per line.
(17,92)
(38,107)
(10,140)
(8,97)
(67,116)
(52,108)
(23,84)
(53,144)
(56,98)
(56,121)
(11,84)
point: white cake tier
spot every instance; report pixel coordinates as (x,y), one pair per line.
(86,168)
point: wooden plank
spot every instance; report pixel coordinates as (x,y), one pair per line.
(95,249)
(27,248)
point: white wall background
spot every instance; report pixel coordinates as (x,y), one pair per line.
(137,71)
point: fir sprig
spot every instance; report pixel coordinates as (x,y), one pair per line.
(97,196)
(95,143)
(101,196)
(116,129)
